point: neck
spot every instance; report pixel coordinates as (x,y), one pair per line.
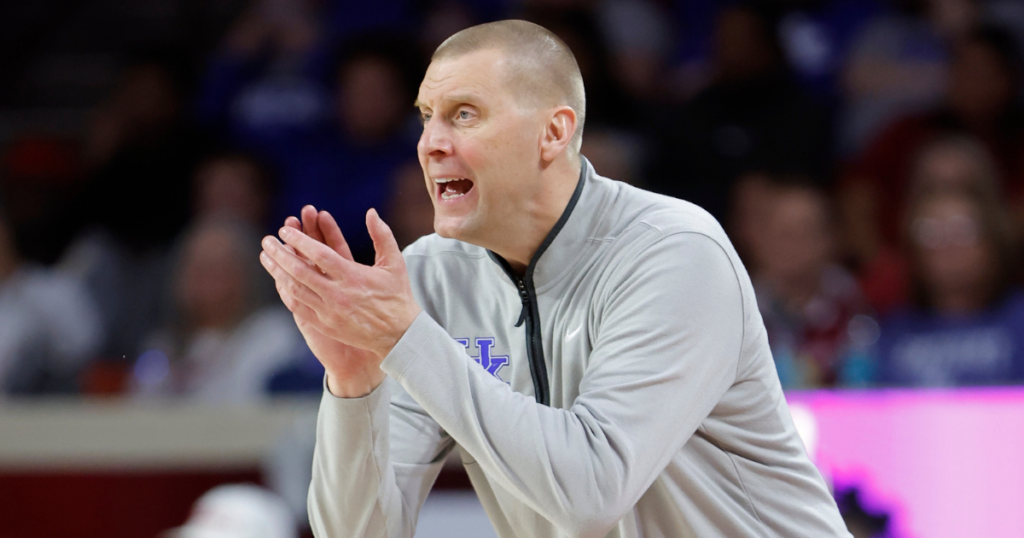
(522,239)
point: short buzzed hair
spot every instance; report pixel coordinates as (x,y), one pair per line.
(539,62)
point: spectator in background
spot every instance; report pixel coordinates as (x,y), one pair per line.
(640,37)
(966,323)
(812,308)
(346,168)
(410,206)
(235,185)
(950,163)
(40,177)
(981,101)
(618,48)
(816,36)
(897,65)
(222,344)
(749,204)
(49,327)
(577,25)
(753,117)
(269,81)
(141,152)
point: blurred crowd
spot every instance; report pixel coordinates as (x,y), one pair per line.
(865,156)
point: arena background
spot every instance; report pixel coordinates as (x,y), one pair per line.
(865,157)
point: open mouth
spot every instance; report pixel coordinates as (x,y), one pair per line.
(452,188)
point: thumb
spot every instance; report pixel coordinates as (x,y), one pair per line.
(383,240)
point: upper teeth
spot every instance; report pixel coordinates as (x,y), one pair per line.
(446,179)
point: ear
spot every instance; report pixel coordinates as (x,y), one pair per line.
(558,131)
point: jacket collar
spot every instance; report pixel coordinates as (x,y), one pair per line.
(567,240)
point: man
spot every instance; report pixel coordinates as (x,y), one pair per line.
(593,351)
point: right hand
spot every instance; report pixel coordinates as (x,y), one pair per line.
(351,372)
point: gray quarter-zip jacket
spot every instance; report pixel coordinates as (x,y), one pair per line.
(623,387)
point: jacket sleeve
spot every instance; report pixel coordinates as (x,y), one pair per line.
(375,460)
(666,348)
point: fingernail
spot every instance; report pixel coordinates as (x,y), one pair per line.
(268,243)
(285,232)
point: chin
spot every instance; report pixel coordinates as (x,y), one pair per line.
(453,228)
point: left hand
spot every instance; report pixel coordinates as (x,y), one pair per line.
(366,307)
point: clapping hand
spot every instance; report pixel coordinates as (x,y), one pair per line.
(350,314)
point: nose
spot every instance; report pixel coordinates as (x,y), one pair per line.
(436,140)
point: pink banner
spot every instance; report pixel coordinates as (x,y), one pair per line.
(940,463)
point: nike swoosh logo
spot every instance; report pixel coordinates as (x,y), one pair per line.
(574,333)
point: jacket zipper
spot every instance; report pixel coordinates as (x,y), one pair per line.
(534,343)
(530,315)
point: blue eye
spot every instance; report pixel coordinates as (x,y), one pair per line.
(464,115)
(424,118)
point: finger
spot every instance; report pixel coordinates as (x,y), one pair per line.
(303,314)
(288,286)
(309,223)
(305,317)
(329,262)
(294,264)
(293,222)
(288,248)
(384,242)
(333,236)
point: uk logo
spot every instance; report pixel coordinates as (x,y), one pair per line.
(484,358)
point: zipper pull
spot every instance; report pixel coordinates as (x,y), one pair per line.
(526,302)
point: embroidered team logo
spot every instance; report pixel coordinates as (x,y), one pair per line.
(484,358)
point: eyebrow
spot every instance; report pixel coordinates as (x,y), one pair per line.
(458,98)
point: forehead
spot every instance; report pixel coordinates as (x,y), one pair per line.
(477,75)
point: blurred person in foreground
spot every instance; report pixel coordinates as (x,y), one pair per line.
(982,101)
(966,322)
(816,318)
(49,326)
(223,343)
(592,350)
(237,511)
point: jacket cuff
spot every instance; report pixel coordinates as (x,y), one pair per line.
(407,350)
(355,407)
